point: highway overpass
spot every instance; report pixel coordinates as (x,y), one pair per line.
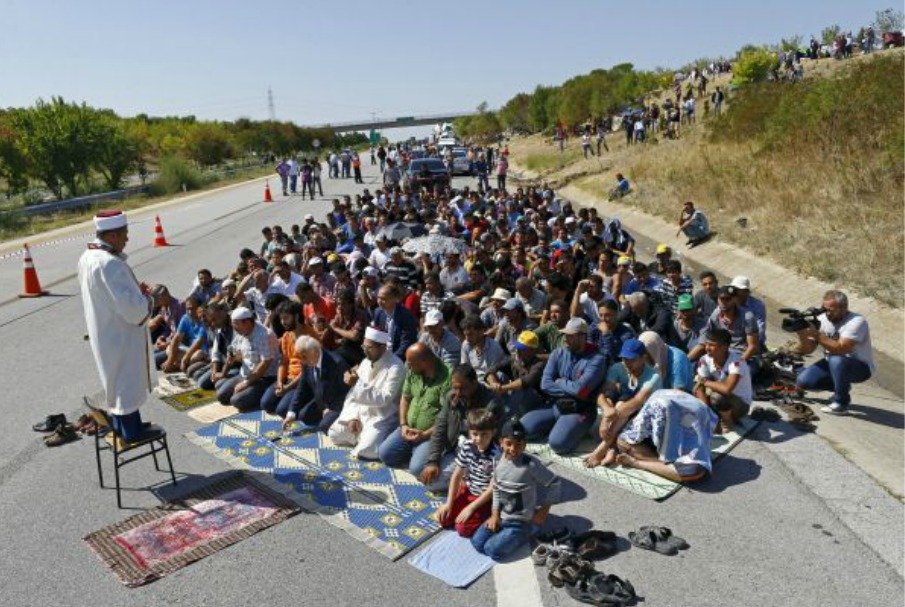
(389,123)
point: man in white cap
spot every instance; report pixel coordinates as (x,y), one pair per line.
(117,308)
(744,298)
(442,342)
(370,412)
(256,350)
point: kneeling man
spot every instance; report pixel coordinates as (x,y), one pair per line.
(371,411)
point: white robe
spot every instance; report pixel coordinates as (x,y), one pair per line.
(373,401)
(116,313)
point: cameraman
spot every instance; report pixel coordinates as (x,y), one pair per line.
(848,356)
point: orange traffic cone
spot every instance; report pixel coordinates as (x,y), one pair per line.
(159,239)
(32,286)
(267,196)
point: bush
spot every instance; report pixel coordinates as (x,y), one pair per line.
(754,65)
(175,172)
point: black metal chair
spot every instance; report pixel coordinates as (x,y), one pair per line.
(106,439)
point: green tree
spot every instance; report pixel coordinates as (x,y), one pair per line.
(209,144)
(792,43)
(118,150)
(889,20)
(829,33)
(58,141)
(754,65)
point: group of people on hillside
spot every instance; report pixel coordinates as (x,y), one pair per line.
(542,324)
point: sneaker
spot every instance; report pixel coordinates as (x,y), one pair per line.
(835,408)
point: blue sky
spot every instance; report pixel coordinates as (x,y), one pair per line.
(343,60)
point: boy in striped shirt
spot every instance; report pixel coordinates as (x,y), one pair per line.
(470,492)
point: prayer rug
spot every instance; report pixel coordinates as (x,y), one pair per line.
(452,559)
(169,384)
(211,413)
(195,397)
(637,481)
(157,542)
(386,509)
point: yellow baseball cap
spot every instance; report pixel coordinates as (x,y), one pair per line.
(624,260)
(527,339)
(662,248)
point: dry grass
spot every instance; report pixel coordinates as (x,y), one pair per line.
(835,215)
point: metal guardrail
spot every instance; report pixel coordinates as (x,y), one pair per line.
(92,199)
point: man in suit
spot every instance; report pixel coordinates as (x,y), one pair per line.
(394,319)
(321,391)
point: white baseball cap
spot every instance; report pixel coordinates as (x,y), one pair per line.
(741,282)
(433,318)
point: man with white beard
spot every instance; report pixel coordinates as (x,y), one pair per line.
(370,412)
(117,308)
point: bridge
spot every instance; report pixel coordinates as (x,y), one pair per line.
(390,123)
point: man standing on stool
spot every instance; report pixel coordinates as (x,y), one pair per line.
(117,308)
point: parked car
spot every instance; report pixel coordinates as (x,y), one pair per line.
(426,172)
(891,39)
(460,165)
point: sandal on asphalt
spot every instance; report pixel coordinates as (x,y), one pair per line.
(64,434)
(569,570)
(586,592)
(540,554)
(99,415)
(664,534)
(613,588)
(50,423)
(647,540)
(594,545)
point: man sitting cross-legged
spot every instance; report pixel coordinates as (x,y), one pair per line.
(723,380)
(256,350)
(289,372)
(370,412)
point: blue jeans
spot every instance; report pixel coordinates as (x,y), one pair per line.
(500,544)
(836,373)
(127,427)
(695,231)
(272,403)
(205,382)
(293,181)
(562,432)
(396,452)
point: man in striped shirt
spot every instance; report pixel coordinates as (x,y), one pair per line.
(402,268)
(674,285)
(434,294)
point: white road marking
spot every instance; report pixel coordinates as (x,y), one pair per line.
(516,583)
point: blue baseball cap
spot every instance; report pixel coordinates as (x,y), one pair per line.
(632,348)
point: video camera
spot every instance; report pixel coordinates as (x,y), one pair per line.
(800,319)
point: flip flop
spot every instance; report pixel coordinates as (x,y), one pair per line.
(664,534)
(647,540)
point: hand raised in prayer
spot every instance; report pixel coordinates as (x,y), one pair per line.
(355,426)
(350,377)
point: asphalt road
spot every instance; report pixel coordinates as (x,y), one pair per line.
(785,520)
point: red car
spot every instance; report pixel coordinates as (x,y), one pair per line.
(891,39)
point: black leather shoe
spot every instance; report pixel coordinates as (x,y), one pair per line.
(50,423)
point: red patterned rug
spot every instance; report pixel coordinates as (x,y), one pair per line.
(157,542)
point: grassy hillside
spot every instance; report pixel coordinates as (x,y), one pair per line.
(815,167)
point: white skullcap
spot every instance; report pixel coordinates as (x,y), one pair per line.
(242,313)
(109,220)
(377,336)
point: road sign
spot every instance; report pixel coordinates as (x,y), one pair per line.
(374,137)
(316,143)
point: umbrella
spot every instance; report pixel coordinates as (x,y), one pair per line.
(435,244)
(401,230)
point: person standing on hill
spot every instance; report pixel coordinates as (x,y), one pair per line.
(117,309)
(717,99)
(502,167)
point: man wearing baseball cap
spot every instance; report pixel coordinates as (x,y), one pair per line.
(516,378)
(740,323)
(571,380)
(742,286)
(442,342)
(688,324)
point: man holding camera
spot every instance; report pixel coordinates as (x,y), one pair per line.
(848,356)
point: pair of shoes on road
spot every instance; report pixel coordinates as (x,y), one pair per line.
(657,539)
(599,588)
(86,424)
(590,545)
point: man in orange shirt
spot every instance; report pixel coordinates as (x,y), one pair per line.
(290,368)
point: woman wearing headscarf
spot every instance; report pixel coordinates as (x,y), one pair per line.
(670,362)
